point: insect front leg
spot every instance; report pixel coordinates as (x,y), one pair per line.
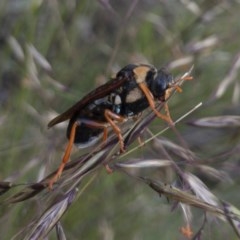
(66,156)
(151,102)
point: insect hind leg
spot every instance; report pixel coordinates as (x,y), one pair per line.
(66,156)
(72,135)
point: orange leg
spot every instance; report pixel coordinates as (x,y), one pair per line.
(66,155)
(178,88)
(108,169)
(95,124)
(167,112)
(151,102)
(187,78)
(110,117)
(187,231)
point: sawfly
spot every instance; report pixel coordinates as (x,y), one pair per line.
(134,88)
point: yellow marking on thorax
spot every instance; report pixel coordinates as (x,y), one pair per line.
(141,73)
(134,95)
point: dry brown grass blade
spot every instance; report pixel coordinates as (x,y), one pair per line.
(227,121)
(26,193)
(60,232)
(198,234)
(229,79)
(40,227)
(5,187)
(178,150)
(148,163)
(80,166)
(179,195)
(228,211)
(233,216)
(51,216)
(194,193)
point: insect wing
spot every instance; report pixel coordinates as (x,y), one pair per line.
(97,93)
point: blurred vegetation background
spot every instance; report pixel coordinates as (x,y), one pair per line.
(54,52)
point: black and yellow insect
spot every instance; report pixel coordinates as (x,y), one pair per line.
(134,88)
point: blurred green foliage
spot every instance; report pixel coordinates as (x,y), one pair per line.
(54,52)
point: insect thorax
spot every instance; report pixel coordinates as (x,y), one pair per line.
(128,100)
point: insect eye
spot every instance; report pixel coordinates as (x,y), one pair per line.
(160,83)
